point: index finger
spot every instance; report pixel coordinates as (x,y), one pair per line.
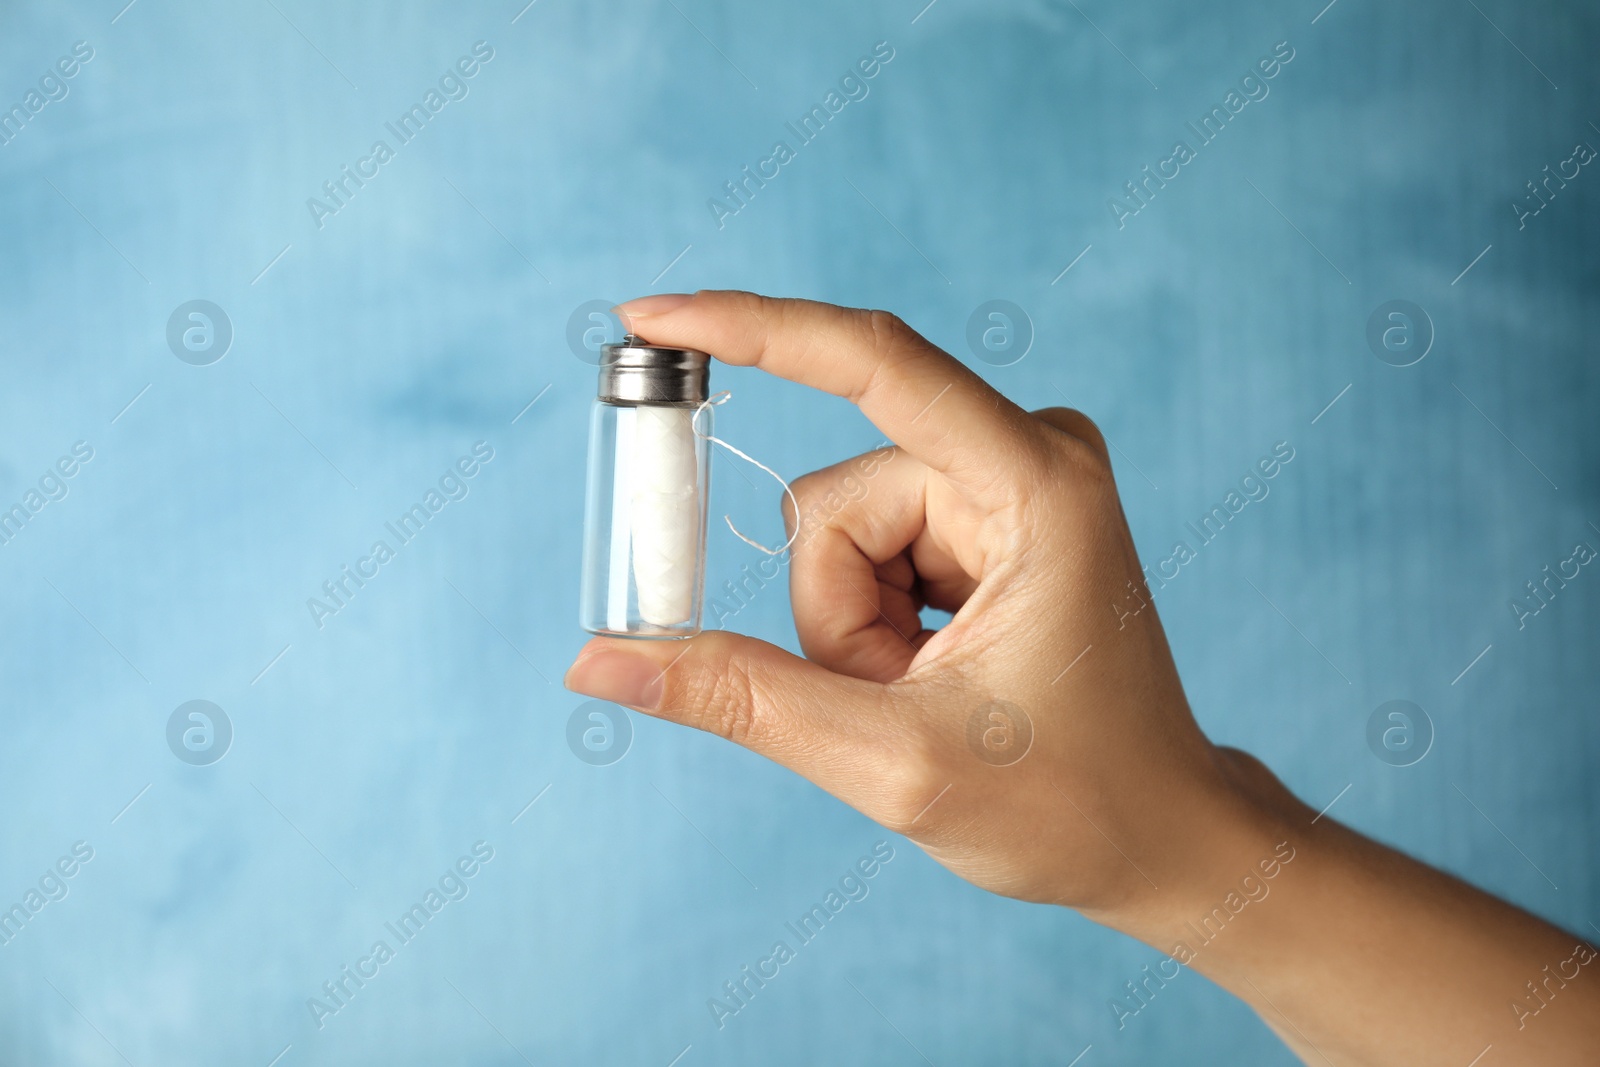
(922,398)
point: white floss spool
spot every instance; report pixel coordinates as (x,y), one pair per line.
(649,480)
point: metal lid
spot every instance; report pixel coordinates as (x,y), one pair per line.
(633,372)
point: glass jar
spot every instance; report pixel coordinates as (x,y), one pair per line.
(644,542)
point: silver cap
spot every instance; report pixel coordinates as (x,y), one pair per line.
(632,372)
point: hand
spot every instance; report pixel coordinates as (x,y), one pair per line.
(1119,806)
(1008,520)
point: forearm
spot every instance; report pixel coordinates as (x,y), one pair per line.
(1356,954)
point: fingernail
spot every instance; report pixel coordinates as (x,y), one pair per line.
(646,306)
(620,677)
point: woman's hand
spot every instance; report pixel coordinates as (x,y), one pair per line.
(1040,745)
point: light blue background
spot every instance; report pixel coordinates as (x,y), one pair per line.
(433,308)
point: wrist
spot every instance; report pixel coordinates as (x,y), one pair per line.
(1242,830)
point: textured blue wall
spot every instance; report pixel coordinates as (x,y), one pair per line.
(374,345)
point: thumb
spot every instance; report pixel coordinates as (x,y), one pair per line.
(757,695)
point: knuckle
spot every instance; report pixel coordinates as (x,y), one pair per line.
(888,342)
(726,699)
(1089,430)
(808,487)
(887,328)
(810,496)
(911,788)
(1091,465)
(894,339)
(890,337)
(1072,437)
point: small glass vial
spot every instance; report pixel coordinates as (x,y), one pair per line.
(644,531)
